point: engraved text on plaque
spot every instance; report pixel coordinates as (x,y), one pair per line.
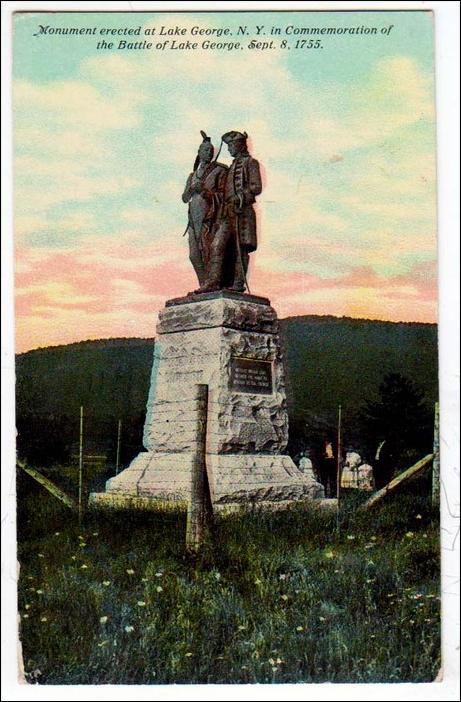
(249,375)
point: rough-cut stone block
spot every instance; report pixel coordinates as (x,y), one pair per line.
(231,344)
(233,479)
(220,312)
(124,481)
(217,294)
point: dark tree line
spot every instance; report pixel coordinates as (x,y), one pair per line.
(328,361)
(44,440)
(398,428)
(391,433)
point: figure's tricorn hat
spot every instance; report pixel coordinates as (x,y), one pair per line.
(234,136)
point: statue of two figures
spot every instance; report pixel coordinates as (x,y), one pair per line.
(222,221)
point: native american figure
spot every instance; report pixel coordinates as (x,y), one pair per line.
(235,237)
(204,192)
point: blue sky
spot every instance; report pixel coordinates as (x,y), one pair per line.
(104,142)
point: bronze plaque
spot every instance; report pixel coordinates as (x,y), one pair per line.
(248,375)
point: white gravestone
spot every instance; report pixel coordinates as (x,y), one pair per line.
(356,474)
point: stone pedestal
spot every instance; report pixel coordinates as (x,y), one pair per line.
(230,342)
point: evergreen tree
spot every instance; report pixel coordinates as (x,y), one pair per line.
(397,428)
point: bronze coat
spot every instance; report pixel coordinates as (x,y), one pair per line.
(243,180)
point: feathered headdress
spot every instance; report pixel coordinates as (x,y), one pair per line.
(205,139)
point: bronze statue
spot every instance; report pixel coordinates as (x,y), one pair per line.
(230,235)
(204,192)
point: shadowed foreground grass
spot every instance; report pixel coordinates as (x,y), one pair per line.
(280,597)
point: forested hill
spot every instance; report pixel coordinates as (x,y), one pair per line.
(340,360)
(107,375)
(329,361)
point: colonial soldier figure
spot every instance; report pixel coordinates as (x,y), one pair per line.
(204,192)
(235,237)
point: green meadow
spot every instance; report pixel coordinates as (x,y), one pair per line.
(273,597)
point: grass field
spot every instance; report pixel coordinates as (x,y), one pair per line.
(273,597)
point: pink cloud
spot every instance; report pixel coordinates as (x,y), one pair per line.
(71,295)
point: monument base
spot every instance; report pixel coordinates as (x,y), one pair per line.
(234,479)
(230,343)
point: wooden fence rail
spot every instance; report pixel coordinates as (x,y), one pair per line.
(48,485)
(408,474)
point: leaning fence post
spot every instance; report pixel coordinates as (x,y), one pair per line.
(199,505)
(436,459)
(408,474)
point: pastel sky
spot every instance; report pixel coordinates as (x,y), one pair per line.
(105,141)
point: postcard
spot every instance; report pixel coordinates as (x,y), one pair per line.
(227,399)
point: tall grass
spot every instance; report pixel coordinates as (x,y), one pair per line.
(272,597)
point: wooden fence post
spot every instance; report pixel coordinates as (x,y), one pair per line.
(199,505)
(408,474)
(48,485)
(338,467)
(436,459)
(80,468)
(119,436)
